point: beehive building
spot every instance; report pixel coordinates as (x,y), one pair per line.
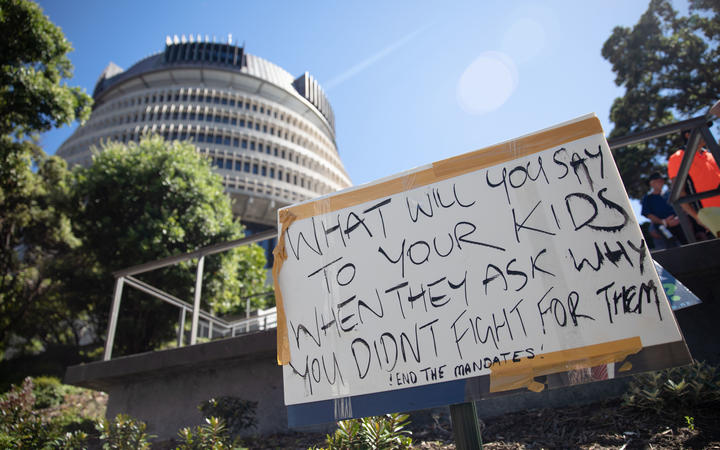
(270,135)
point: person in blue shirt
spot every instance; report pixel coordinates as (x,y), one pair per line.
(665,226)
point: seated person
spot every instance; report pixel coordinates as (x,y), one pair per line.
(664,224)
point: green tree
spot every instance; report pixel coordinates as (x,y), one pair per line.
(33,188)
(668,65)
(146,201)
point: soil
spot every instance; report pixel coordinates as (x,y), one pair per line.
(606,425)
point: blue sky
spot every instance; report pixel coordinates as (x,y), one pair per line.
(411,82)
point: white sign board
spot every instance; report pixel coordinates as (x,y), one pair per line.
(515,262)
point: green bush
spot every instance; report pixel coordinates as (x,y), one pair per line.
(123,433)
(211,436)
(676,391)
(379,432)
(48,392)
(237,414)
(22,426)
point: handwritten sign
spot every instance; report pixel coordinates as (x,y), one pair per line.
(489,272)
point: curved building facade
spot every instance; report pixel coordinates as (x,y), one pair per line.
(271,136)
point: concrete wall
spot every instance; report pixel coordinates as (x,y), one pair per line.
(169,402)
(164,388)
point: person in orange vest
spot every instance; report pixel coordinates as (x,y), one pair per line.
(704,175)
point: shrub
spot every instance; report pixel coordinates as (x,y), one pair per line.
(123,433)
(237,414)
(211,436)
(21,426)
(675,391)
(379,432)
(48,392)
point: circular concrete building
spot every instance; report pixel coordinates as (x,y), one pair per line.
(271,136)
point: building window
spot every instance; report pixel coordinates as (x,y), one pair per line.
(252,145)
(272,172)
(246,167)
(219,163)
(264,171)
(238,165)
(226,140)
(242,122)
(255,169)
(244,143)
(260,147)
(236,142)
(228,164)
(280,175)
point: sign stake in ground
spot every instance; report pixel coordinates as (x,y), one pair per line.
(512,268)
(466,428)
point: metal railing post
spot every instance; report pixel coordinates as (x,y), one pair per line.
(110,340)
(181,328)
(196,304)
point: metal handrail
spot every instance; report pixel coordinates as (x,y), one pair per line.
(205,251)
(125,276)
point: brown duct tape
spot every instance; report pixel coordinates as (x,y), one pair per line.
(522,374)
(441,170)
(286,218)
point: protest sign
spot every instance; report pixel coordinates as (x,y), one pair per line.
(520,266)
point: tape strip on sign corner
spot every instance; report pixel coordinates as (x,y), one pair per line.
(522,374)
(452,167)
(286,218)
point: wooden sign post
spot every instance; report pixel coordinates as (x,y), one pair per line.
(516,267)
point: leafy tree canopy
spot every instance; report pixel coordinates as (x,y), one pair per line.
(33,63)
(668,65)
(147,201)
(34,189)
